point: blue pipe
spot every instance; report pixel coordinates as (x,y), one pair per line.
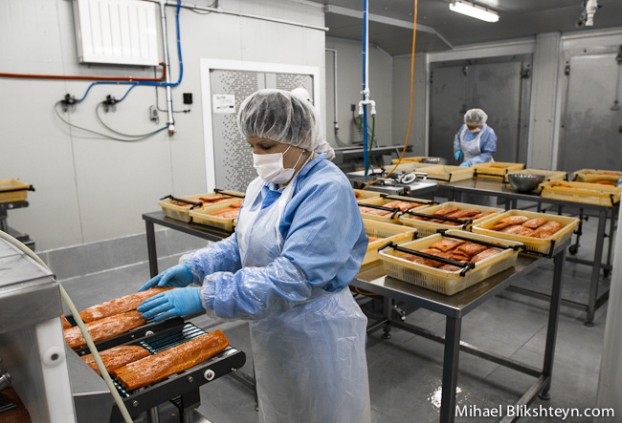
(364,84)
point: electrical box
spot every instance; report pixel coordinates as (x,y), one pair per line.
(117,32)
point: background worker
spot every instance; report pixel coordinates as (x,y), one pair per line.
(299,242)
(475,142)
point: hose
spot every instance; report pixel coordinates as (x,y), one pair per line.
(85,333)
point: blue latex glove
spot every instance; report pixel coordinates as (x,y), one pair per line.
(176,302)
(179,275)
(465,164)
(620,182)
(458,155)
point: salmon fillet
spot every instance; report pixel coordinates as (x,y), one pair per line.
(509,221)
(445,211)
(547,230)
(489,252)
(463,214)
(402,205)
(105,328)
(158,366)
(470,249)
(375,212)
(483,214)
(116,357)
(517,230)
(535,222)
(446,244)
(119,305)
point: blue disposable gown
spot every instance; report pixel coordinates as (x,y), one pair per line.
(477,147)
(308,334)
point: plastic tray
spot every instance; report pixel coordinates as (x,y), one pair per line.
(426,228)
(204,216)
(448,173)
(495,169)
(386,232)
(596,176)
(582,192)
(542,246)
(182,212)
(392,217)
(13,190)
(364,194)
(444,281)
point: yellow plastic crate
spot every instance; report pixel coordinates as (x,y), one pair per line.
(426,228)
(175,209)
(607,177)
(361,194)
(543,246)
(204,215)
(385,232)
(582,192)
(445,281)
(418,203)
(448,173)
(495,169)
(13,190)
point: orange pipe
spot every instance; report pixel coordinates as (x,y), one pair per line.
(85,78)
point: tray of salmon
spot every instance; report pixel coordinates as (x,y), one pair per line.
(450,215)
(388,208)
(582,192)
(179,208)
(495,170)
(598,176)
(222,216)
(449,262)
(539,232)
(379,233)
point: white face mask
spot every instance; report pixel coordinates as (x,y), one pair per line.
(270,167)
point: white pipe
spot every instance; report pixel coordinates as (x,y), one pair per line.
(335,90)
(241,15)
(170,122)
(85,333)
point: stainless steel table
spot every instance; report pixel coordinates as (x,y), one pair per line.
(498,189)
(457,306)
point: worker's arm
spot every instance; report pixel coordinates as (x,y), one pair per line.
(325,237)
(217,257)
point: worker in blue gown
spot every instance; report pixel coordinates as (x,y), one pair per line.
(299,242)
(475,142)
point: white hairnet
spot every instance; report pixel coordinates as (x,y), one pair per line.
(280,116)
(475,117)
(302,92)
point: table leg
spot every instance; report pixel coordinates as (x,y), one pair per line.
(453,327)
(612,228)
(151,248)
(551,330)
(598,255)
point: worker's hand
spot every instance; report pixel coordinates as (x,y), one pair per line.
(458,155)
(179,275)
(465,164)
(176,302)
(620,182)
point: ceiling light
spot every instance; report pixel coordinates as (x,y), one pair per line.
(474,11)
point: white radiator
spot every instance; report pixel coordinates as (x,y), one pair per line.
(116,31)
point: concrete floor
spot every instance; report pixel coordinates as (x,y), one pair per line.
(405,370)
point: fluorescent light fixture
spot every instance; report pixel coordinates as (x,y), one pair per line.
(474,11)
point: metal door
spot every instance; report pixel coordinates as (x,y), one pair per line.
(591,134)
(233,161)
(496,87)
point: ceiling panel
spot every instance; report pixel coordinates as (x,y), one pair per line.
(518,19)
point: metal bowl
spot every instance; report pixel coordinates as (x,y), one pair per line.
(435,160)
(525,182)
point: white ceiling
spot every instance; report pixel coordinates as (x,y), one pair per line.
(439,29)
